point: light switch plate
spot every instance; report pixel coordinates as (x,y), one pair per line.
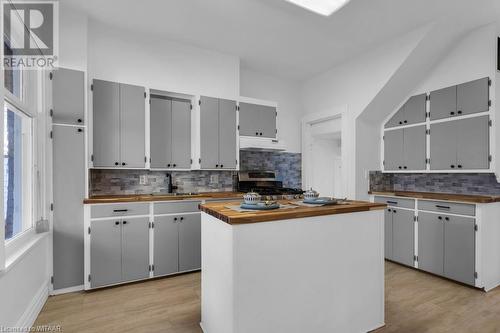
(143,179)
(214,179)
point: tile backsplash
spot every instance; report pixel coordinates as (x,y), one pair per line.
(288,166)
(116,182)
(459,183)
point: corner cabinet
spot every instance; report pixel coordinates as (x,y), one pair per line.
(218,133)
(446,238)
(446,130)
(119,124)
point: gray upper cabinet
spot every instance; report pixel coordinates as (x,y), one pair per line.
(166,245)
(218,133)
(227,134)
(160,116)
(209,132)
(473,143)
(68,97)
(135,248)
(412,112)
(414,148)
(405,149)
(118,125)
(181,134)
(443,103)
(106,123)
(69,192)
(257,120)
(466,98)
(473,97)
(393,149)
(105,252)
(460,144)
(459,248)
(268,122)
(431,243)
(132,126)
(170,132)
(403,236)
(190,242)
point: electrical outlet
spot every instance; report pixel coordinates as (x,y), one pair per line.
(214,179)
(143,179)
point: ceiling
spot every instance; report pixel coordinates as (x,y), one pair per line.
(274,36)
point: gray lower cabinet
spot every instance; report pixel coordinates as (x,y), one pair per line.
(68,194)
(135,248)
(460,144)
(217,133)
(431,243)
(118,125)
(388,225)
(405,149)
(399,235)
(170,132)
(190,242)
(119,250)
(459,248)
(257,120)
(68,96)
(403,236)
(177,243)
(105,252)
(166,245)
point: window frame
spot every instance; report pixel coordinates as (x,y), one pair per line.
(28,167)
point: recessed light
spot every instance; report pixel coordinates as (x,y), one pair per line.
(322,7)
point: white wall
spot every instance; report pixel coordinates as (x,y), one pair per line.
(354,84)
(72,38)
(24,287)
(158,63)
(286,93)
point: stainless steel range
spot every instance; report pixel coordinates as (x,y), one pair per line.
(266,184)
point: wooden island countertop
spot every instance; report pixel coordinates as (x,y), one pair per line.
(220,211)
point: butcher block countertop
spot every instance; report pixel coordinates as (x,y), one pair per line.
(442,196)
(219,211)
(158,197)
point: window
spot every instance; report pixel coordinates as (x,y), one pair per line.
(17,171)
(12,77)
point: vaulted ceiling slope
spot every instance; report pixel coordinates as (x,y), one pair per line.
(274,36)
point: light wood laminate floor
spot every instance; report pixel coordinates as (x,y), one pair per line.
(415,302)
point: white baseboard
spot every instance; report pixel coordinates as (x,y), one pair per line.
(29,316)
(66,290)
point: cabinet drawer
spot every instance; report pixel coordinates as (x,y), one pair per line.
(396,202)
(104,210)
(447,207)
(176,207)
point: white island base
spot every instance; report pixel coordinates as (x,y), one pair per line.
(319,274)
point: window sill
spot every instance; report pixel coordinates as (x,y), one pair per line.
(13,258)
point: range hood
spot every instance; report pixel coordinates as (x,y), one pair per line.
(261,144)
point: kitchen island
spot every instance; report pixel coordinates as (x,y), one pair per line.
(303,269)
